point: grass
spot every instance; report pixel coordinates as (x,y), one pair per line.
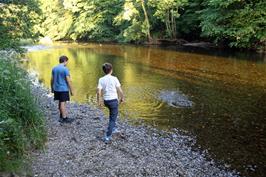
(21,122)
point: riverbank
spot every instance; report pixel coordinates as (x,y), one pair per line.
(21,124)
(171,43)
(77,149)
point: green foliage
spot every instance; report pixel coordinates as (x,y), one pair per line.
(21,124)
(235,23)
(56,20)
(188,24)
(167,11)
(135,32)
(79,19)
(240,24)
(131,22)
(99,21)
(17,21)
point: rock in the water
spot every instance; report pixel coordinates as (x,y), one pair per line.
(175,99)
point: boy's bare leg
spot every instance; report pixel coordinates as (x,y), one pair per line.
(59,109)
(62,108)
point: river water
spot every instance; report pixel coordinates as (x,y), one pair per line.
(218,97)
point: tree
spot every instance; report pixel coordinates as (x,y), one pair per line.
(133,26)
(147,22)
(167,11)
(17,20)
(188,24)
(235,23)
(240,24)
(80,19)
(57,19)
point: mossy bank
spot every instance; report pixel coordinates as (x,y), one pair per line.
(21,122)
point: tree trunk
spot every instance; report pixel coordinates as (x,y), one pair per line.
(167,23)
(146,19)
(173,23)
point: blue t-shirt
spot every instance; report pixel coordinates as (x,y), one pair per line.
(59,73)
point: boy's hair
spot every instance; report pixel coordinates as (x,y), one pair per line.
(63,59)
(107,68)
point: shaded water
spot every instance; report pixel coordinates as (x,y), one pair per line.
(221,100)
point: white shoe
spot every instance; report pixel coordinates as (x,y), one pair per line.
(107,139)
(115,130)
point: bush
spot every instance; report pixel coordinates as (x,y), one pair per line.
(239,24)
(21,124)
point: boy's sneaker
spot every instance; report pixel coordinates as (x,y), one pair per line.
(67,120)
(116,130)
(107,139)
(60,120)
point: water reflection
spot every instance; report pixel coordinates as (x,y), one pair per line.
(228,95)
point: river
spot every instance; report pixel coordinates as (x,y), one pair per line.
(220,98)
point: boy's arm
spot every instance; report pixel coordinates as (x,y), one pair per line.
(69,82)
(99,96)
(121,94)
(52,82)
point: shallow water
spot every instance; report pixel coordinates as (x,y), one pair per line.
(220,99)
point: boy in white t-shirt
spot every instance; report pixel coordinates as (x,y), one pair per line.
(109,88)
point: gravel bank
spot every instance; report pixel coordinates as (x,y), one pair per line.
(77,150)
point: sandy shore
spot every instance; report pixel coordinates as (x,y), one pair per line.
(76,150)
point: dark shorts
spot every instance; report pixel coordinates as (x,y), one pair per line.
(61,96)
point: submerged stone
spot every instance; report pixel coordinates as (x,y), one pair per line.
(175,99)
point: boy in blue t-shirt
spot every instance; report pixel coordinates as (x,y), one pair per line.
(61,85)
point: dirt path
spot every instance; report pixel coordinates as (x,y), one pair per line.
(77,150)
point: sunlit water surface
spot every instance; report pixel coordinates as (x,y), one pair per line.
(220,100)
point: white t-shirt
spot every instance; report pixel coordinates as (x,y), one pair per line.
(108,85)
